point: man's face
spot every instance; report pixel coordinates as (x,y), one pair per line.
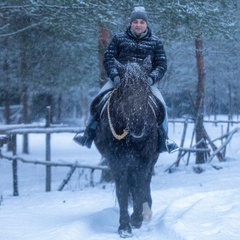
(138,26)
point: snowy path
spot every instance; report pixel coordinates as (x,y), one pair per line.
(186,206)
(201,209)
(199,213)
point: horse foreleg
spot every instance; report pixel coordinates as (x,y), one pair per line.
(147,203)
(141,193)
(147,191)
(136,187)
(122,191)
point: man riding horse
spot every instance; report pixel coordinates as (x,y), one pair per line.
(134,45)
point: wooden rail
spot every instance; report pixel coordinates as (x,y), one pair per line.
(72,166)
(205,121)
(54,164)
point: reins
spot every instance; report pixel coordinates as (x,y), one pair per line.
(125,131)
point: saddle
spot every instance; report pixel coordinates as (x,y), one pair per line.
(100,102)
(158,108)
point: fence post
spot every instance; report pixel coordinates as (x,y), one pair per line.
(48,150)
(182,142)
(70,173)
(14,165)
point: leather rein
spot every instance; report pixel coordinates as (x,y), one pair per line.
(125,131)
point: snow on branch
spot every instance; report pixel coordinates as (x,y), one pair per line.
(20,30)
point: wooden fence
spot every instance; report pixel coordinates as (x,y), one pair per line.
(11,131)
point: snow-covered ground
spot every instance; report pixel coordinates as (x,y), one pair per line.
(186,205)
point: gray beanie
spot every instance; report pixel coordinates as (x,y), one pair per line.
(139,13)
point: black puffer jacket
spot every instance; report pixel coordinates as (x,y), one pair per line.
(126,47)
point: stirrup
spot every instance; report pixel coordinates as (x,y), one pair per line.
(171,146)
(83,140)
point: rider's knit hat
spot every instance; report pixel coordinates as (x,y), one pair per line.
(139,13)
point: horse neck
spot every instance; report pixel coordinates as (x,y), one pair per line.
(135,92)
(133,103)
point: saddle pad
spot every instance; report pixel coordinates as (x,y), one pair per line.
(99,102)
(158,108)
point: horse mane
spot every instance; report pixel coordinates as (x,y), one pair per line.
(133,72)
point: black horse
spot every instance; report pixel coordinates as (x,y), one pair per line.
(127,136)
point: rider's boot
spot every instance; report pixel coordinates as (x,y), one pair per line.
(171,146)
(89,134)
(166,144)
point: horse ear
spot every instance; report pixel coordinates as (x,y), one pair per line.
(119,66)
(147,63)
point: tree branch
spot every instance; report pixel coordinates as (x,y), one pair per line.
(20,30)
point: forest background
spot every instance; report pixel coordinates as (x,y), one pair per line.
(52,51)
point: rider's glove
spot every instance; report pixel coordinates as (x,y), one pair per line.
(149,81)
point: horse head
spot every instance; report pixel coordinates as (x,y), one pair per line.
(133,72)
(133,94)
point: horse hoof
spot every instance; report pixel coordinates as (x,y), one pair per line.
(125,232)
(147,212)
(136,222)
